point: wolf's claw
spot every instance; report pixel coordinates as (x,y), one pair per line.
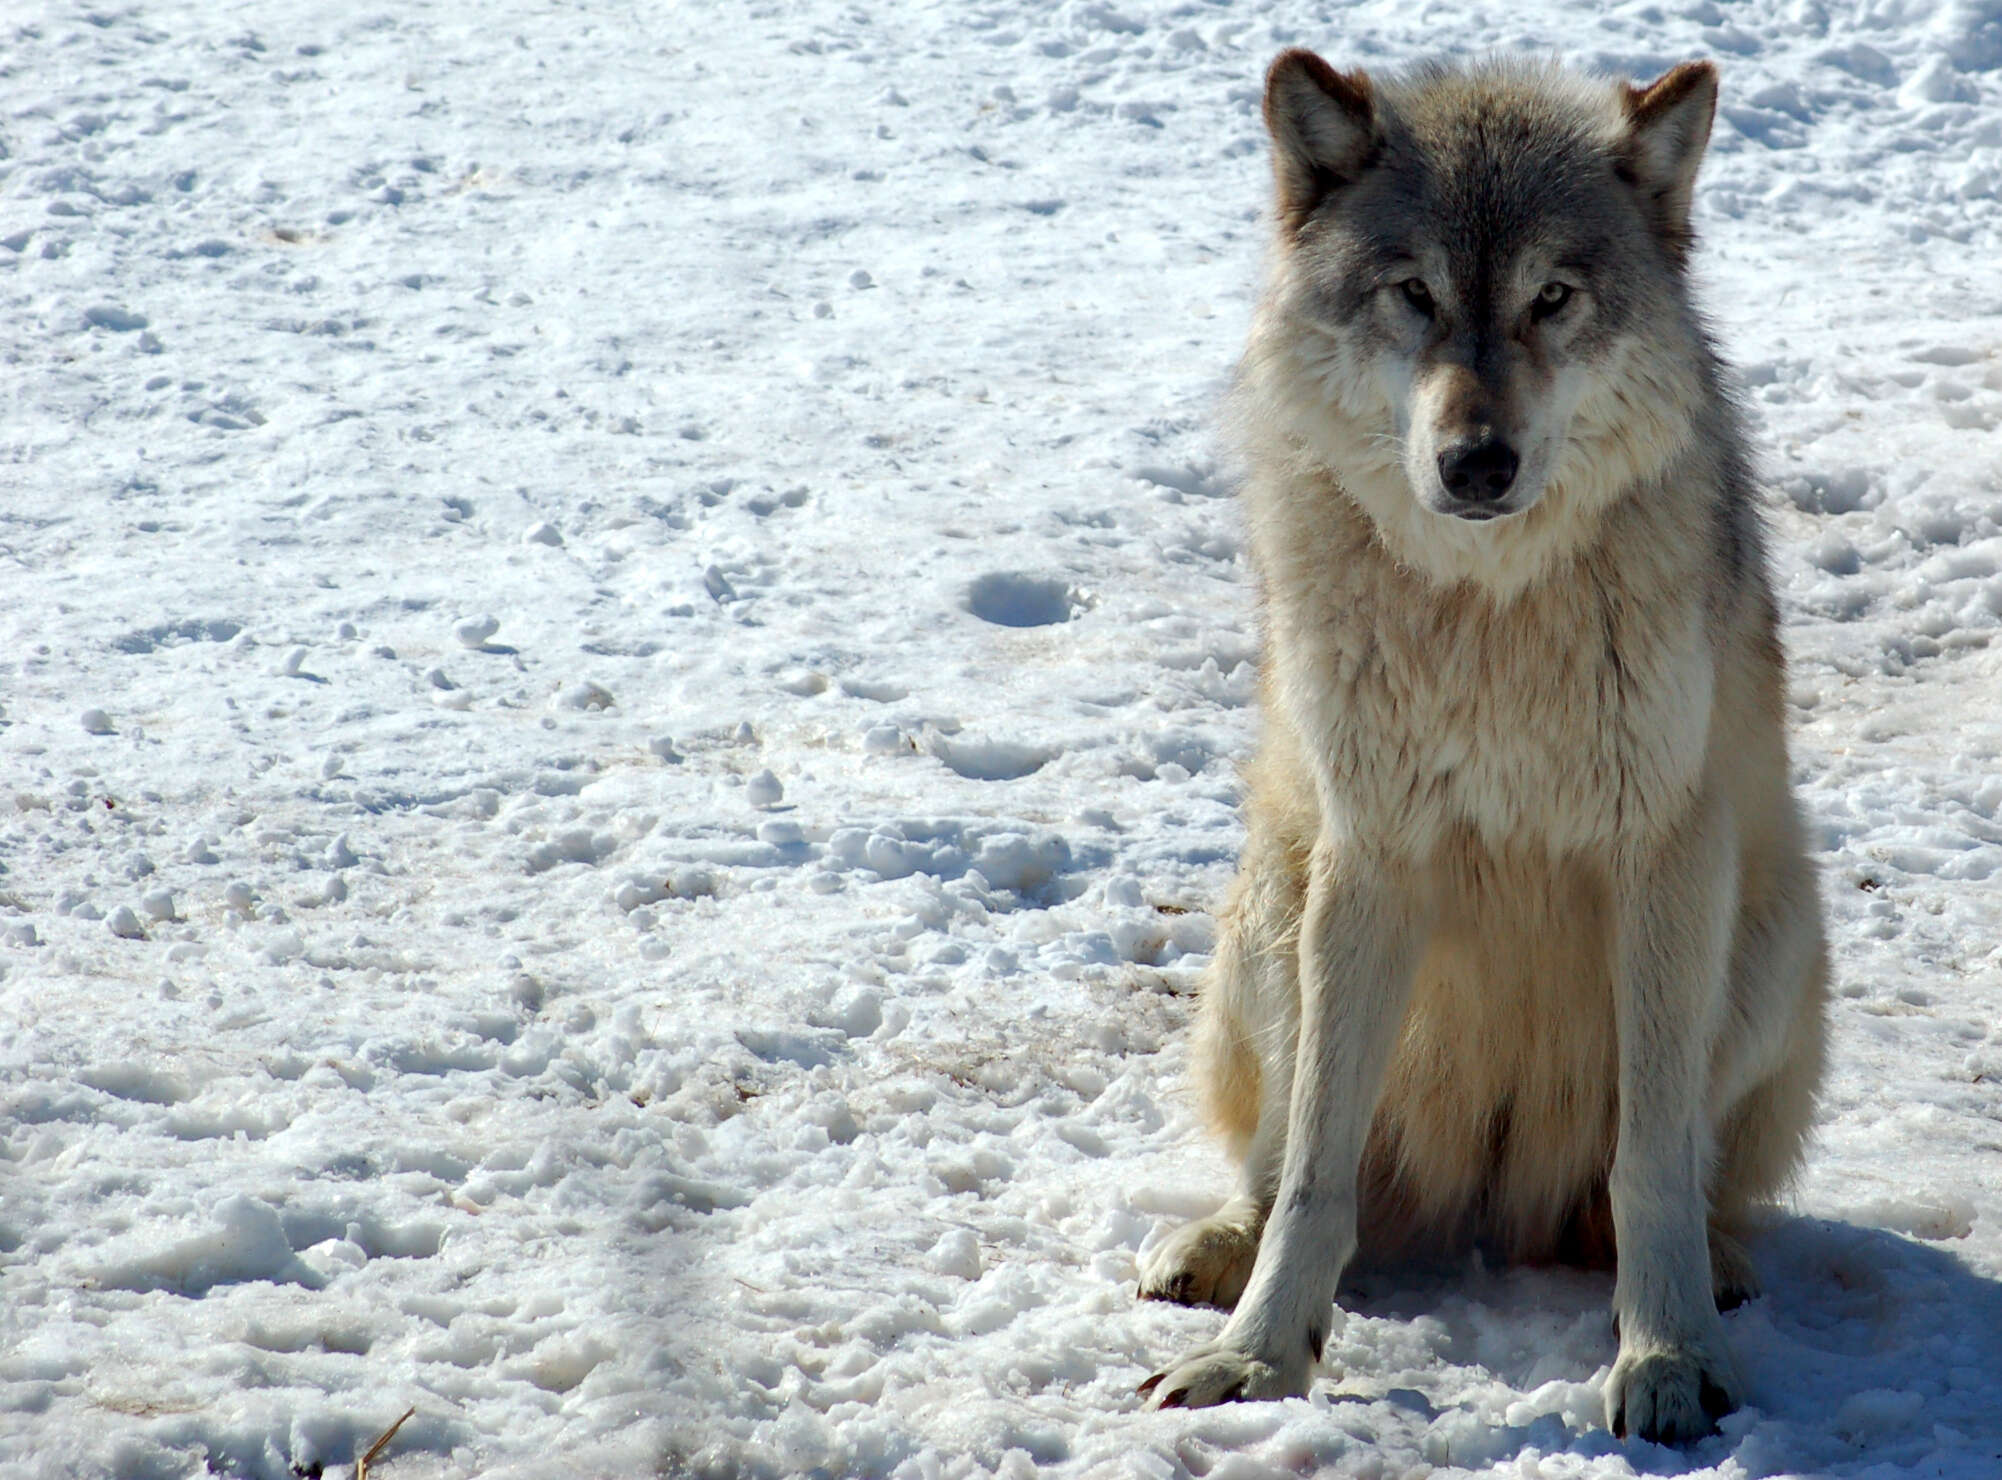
(1221,1374)
(1669,1397)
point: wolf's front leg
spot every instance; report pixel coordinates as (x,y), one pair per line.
(1674,1377)
(1358,948)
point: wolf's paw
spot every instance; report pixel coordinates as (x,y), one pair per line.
(1670,1397)
(1734,1279)
(1222,1374)
(1203,1263)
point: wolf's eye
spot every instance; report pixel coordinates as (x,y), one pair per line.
(1417,295)
(1550,298)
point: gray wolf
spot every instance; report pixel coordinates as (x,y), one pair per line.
(1525,948)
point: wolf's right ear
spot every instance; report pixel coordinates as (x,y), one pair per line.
(1668,123)
(1323,126)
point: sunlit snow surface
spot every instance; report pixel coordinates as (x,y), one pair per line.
(622,643)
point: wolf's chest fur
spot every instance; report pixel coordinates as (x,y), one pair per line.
(1570,715)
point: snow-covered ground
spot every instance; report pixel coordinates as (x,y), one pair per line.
(621,652)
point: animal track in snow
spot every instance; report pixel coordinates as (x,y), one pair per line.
(1017,599)
(980,759)
(1200,481)
(168,634)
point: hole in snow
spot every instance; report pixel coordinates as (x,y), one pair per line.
(990,760)
(1013,599)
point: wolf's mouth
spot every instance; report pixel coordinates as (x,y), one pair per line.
(1475,513)
(1444,502)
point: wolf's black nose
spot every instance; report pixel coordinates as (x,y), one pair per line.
(1478,471)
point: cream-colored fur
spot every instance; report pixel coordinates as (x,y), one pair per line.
(1525,946)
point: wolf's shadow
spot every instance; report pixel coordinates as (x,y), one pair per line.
(1868,1353)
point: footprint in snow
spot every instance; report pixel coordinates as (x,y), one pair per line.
(980,759)
(1018,599)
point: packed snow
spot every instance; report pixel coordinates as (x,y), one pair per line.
(625,638)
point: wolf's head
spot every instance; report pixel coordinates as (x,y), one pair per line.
(1479,293)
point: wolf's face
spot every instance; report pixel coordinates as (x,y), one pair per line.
(1482,270)
(1481,369)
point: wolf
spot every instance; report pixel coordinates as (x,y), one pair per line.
(1525,950)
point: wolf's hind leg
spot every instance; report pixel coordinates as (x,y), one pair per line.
(1243,1065)
(1779,988)
(1209,1261)
(1206,1262)
(1734,1279)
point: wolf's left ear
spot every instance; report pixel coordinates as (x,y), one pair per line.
(1323,126)
(1668,123)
